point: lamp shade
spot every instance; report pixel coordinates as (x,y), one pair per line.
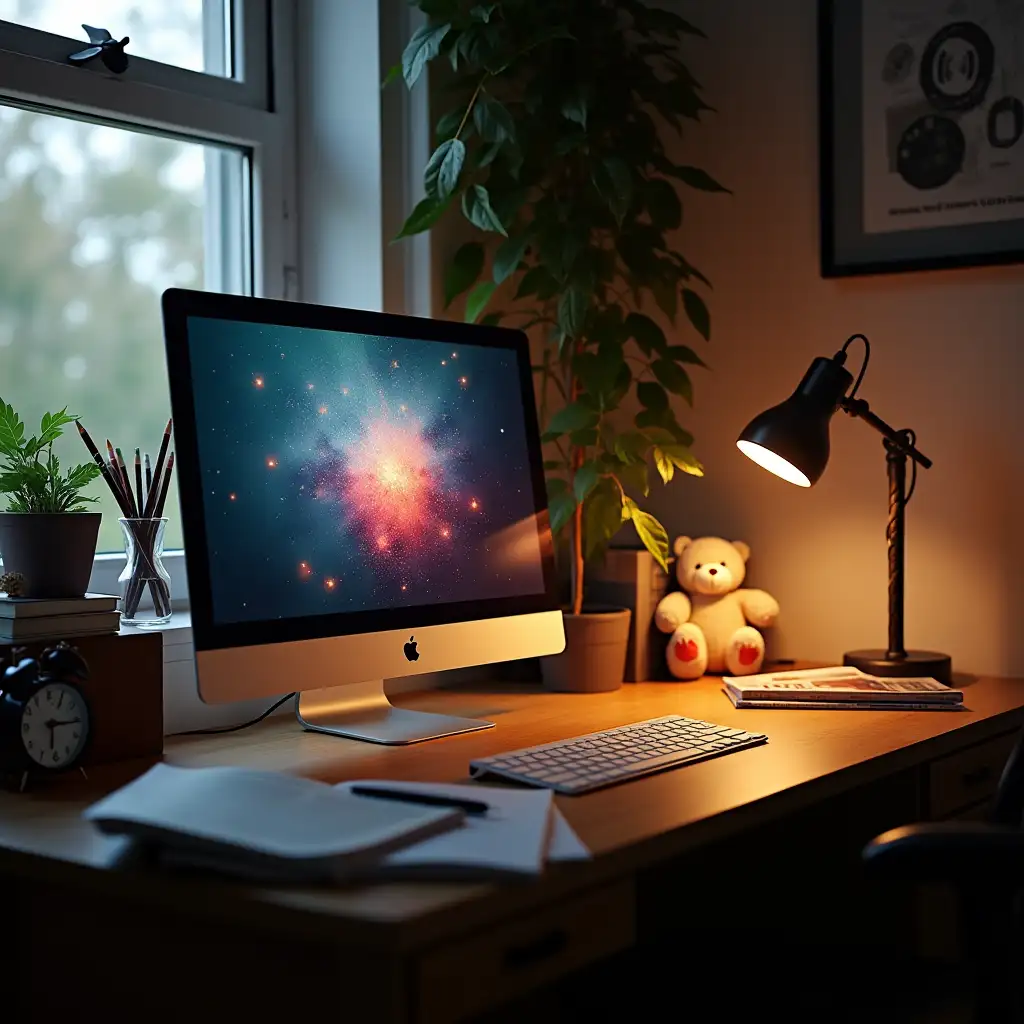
(791,439)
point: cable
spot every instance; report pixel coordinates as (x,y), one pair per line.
(863,366)
(235,728)
(911,438)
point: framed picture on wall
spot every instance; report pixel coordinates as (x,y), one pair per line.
(921,134)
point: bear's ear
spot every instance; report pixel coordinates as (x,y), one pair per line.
(743,548)
(680,544)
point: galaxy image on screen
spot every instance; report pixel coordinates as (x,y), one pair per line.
(351,473)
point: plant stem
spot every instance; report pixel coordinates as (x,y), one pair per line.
(469,106)
(577,452)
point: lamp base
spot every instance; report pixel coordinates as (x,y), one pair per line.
(916,663)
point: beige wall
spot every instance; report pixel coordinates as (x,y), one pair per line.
(947,361)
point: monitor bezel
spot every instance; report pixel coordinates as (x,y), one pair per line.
(178,306)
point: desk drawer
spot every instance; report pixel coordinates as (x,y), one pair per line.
(969,776)
(470,976)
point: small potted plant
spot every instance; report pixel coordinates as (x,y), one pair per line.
(46,535)
(551,143)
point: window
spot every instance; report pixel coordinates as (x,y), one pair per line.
(112,189)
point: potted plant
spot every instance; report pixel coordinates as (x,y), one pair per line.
(46,535)
(551,145)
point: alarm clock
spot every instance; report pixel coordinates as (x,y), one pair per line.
(44,716)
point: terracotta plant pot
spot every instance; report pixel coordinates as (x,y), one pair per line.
(594,659)
(53,551)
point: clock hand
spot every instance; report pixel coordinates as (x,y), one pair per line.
(70,721)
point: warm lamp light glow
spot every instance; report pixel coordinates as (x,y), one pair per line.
(773,463)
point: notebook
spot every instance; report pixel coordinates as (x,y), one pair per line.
(33,607)
(263,825)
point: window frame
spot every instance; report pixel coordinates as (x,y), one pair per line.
(255,115)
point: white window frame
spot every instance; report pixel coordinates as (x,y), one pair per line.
(254,113)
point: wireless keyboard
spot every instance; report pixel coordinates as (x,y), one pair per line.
(600,759)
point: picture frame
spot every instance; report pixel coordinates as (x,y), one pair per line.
(921,134)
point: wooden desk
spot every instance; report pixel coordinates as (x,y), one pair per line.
(430,952)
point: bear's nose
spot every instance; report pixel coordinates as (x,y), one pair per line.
(712,571)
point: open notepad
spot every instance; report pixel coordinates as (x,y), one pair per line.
(276,827)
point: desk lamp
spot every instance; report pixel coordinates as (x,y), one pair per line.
(791,441)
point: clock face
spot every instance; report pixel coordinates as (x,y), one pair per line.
(55,726)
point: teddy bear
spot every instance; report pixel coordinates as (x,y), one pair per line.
(709,618)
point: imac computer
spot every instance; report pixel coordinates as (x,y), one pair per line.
(362,498)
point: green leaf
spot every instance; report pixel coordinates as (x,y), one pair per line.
(493,121)
(537,281)
(476,205)
(602,517)
(684,354)
(575,109)
(666,297)
(663,204)
(696,178)
(634,478)
(441,176)
(448,124)
(394,73)
(585,480)
(560,510)
(697,312)
(583,438)
(649,336)
(630,446)
(572,310)
(681,456)
(491,320)
(575,416)
(652,396)
(463,270)
(664,465)
(425,214)
(614,182)
(652,534)
(554,464)
(556,486)
(424,45)
(508,257)
(673,377)
(476,301)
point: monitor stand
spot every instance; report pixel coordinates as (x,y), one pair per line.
(362,711)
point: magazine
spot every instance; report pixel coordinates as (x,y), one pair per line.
(839,685)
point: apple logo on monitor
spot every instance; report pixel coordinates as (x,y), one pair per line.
(410,650)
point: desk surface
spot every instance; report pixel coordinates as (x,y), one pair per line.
(810,756)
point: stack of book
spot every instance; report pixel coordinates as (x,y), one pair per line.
(841,688)
(26,619)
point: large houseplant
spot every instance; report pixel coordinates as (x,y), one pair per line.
(47,536)
(551,144)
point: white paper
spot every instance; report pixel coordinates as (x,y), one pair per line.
(520,832)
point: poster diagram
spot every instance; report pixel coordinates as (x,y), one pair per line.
(943,113)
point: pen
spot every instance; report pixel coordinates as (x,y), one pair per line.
(424,799)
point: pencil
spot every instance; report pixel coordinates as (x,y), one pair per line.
(141,499)
(149,477)
(115,475)
(127,483)
(98,459)
(157,471)
(159,510)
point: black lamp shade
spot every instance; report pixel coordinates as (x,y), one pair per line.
(791,439)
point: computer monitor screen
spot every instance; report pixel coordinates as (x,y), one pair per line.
(348,473)
(359,472)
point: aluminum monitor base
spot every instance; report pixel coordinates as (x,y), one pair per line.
(362,711)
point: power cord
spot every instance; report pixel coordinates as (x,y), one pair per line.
(235,728)
(864,365)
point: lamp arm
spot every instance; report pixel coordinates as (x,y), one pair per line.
(859,409)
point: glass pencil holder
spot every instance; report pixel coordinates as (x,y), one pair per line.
(145,583)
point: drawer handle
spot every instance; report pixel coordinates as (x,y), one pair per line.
(977,776)
(530,953)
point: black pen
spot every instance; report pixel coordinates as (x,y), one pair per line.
(425,799)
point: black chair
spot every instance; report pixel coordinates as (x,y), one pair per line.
(984,862)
